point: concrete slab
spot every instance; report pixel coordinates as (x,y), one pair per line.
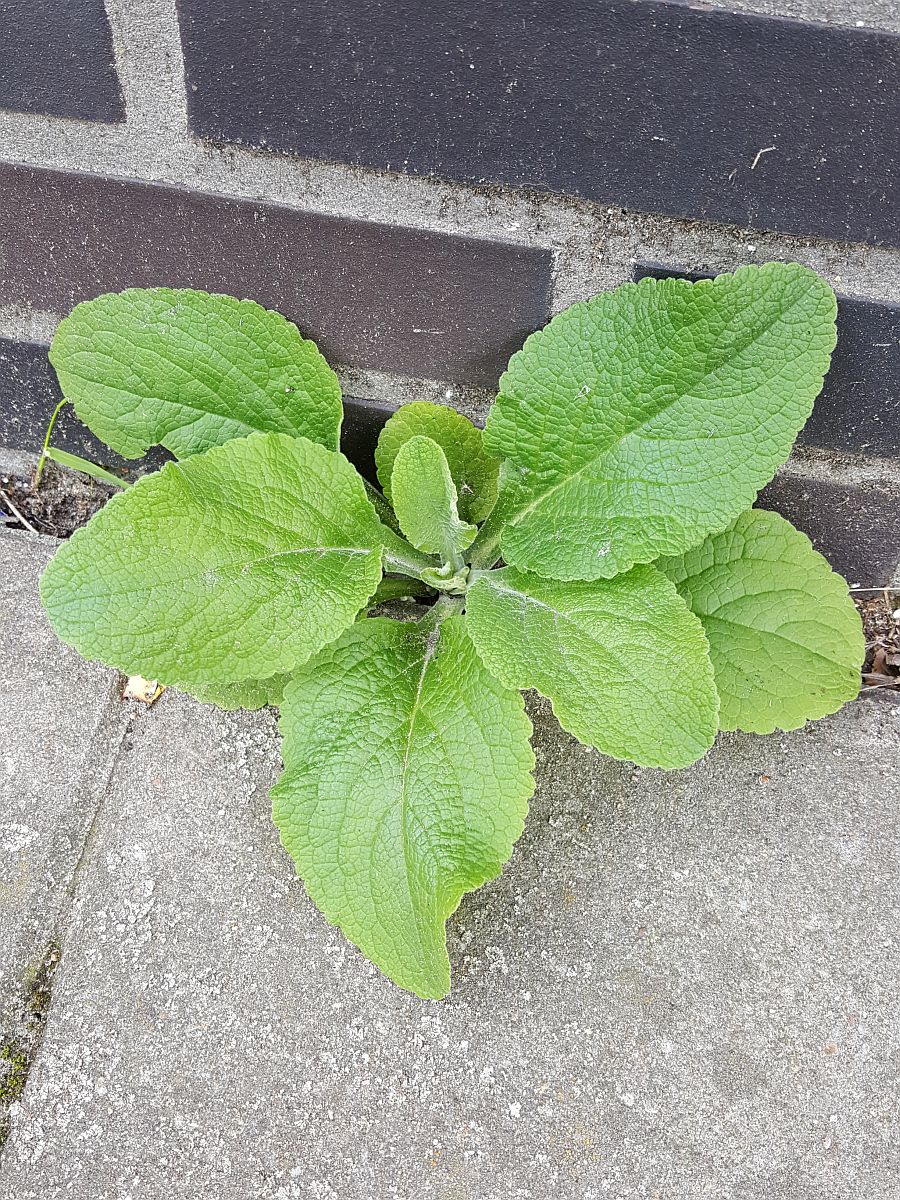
(683,986)
(58,720)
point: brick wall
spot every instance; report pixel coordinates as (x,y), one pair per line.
(419,186)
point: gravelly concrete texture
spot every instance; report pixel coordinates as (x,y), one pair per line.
(682,987)
(58,735)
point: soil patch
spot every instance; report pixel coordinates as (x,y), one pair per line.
(880,614)
(63,503)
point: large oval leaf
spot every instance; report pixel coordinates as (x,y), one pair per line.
(638,422)
(237,564)
(623,661)
(189,370)
(407,776)
(785,638)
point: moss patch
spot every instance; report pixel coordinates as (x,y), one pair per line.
(13,1073)
(18,1050)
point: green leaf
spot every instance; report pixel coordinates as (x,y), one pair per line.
(623,661)
(251,694)
(407,776)
(189,370)
(638,422)
(473,470)
(425,500)
(75,463)
(445,579)
(785,639)
(235,564)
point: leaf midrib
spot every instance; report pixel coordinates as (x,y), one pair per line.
(696,382)
(214,568)
(430,648)
(771,633)
(609,655)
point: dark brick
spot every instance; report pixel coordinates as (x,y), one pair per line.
(29,393)
(57,58)
(363,421)
(654,106)
(858,410)
(399,300)
(857,528)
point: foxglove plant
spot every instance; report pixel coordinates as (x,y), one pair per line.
(596,543)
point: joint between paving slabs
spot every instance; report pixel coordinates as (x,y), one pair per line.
(24,1032)
(27,1011)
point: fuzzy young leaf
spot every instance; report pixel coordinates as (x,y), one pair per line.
(623,661)
(473,470)
(189,370)
(425,500)
(407,776)
(239,563)
(638,422)
(785,639)
(251,694)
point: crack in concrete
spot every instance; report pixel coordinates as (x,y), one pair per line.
(26,998)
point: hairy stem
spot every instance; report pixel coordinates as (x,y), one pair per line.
(455,559)
(485,550)
(403,558)
(379,503)
(443,607)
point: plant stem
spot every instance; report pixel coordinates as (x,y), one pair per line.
(400,556)
(39,470)
(484,551)
(20,517)
(379,503)
(443,607)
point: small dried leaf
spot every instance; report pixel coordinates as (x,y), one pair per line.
(147,691)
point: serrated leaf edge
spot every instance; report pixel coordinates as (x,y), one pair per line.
(648,283)
(65,324)
(327,909)
(765,728)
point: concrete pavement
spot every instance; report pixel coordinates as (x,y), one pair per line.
(682,986)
